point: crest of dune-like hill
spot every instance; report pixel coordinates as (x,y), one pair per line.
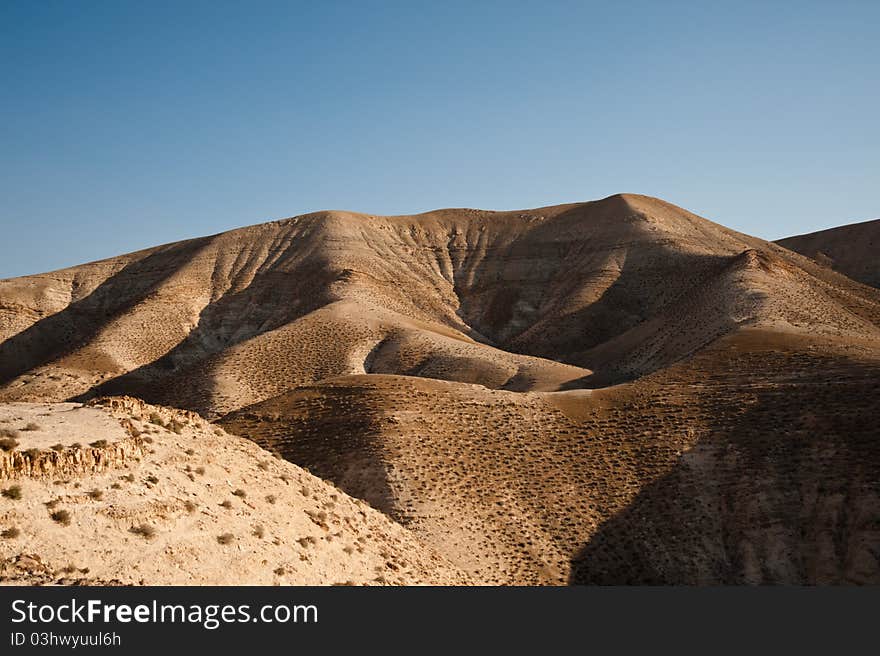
(553,298)
(853,249)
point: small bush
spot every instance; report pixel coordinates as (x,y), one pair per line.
(190,506)
(226,538)
(31,427)
(152,478)
(33,454)
(76,445)
(279,571)
(8,432)
(57,447)
(10,533)
(144,530)
(115,486)
(190,452)
(12,492)
(239,493)
(200,471)
(128,478)
(156,418)
(8,443)
(271,498)
(176,426)
(226,504)
(99,444)
(96,495)
(148,439)
(61,516)
(259,531)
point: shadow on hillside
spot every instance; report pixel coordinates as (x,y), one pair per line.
(80,322)
(785,491)
(335,436)
(271,300)
(547,269)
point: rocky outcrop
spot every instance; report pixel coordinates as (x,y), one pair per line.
(72,461)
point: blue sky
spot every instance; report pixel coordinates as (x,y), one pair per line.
(125,125)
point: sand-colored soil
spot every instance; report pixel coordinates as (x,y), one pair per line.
(280,525)
(616,391)
(853,250)
(757,461)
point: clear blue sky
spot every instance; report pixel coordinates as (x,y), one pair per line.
(126,124)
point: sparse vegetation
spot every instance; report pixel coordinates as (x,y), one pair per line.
(57,447)
(226,504)
(61,516)
(190,506)
(239,493)
(99,444)
(31,427)
(259,531)
(96,494)
(12,492)
(225,538)
(271,498)
(8,443)
(10,533)
(156,418)
(144,530)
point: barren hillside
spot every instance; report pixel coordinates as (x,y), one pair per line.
(853,250)
(123,492)
(554,298)
(757,461)
(616,391)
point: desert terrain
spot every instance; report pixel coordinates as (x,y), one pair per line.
(853,249)
(609,392)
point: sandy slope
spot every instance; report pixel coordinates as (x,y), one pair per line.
(853,250)
(284,526)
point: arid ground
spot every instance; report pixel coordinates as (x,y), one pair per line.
(610,392)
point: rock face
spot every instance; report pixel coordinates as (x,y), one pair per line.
(73,461)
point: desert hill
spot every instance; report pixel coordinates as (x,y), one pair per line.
(756,461)
(535,300)
(616,391)
(853,250)
(122,492)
